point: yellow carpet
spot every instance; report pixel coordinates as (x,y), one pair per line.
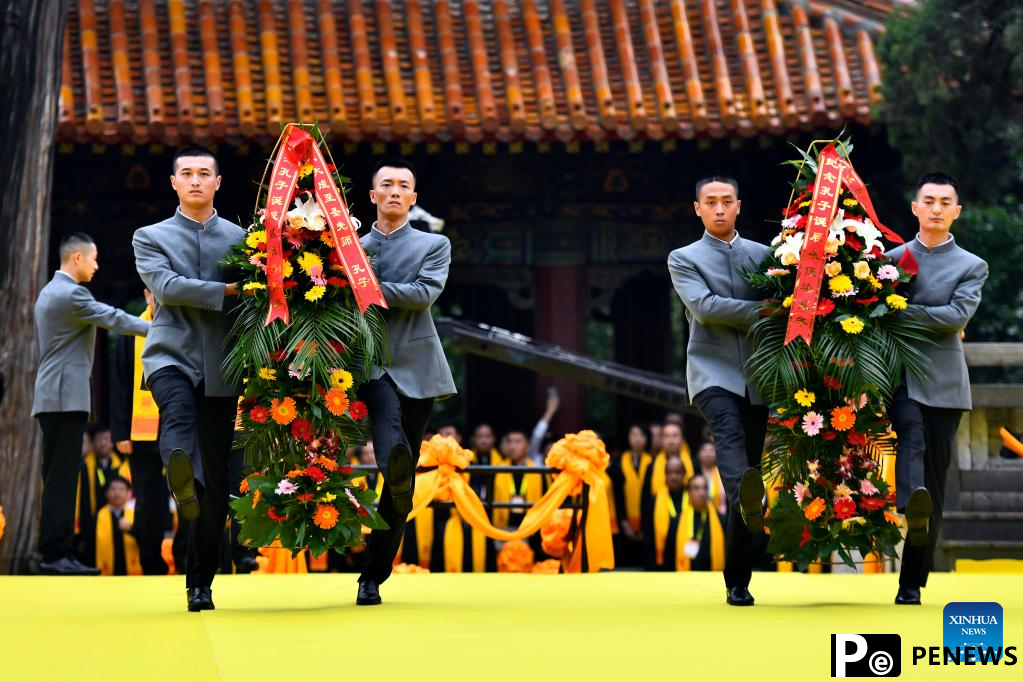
(616,626)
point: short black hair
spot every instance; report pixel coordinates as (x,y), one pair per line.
(117,478)
(394,162)
(72,243)
(707,179)
(689,483)
(938,179)
(194,150)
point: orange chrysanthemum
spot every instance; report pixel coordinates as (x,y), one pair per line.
(256,497)
(295,473)
(337,401)
(814,509)
(244,486)
(842,418)
(891,518)
(326,516)
(283,411)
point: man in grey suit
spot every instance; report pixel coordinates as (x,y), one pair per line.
(944,296)
(66,317)
(720,307)
(179,260)
(412,268)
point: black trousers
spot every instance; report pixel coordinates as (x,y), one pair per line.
(926,435)
(396,421)
(62,458)
(203,427)
(738,428)
(150,503)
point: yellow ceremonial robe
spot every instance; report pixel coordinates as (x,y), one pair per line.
(665,513)
(107,536)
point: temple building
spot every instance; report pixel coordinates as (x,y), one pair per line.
(559,140)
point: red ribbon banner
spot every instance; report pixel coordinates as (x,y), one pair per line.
(826,189)
(833,173)
(296,148)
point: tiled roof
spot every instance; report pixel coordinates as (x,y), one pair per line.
(169,70)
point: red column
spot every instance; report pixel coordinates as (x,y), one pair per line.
(561,320)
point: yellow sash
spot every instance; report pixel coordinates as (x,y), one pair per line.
(145,416)
(657,478)
(105,543)
(530,489)
(633,486)
(664,512)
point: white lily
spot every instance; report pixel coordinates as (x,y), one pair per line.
(788,252)
(308,215)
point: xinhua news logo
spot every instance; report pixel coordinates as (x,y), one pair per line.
(975,628)
(866,655)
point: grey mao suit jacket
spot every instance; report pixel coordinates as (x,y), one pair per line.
(720,307)
(944,296)
(66,317)
(178,259)
(412,267)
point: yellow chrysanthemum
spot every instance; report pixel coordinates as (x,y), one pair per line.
(252,286)
(852,325)
(268,374)
(308,260)
(315,293)
(875,283)
(787,303)
(896,302)
(329,497)
(342,379)
(840,284)
(805,398)
(288,269)
(305,170)
(804,204)
(255,239)
(850,203)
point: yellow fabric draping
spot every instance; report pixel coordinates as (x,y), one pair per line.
(581,459)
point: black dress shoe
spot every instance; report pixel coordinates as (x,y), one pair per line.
(369,593)
(66,566)
(181,481)
(918,516)
(246,564)
(400,477)
(200,599)
(739,596)
(908,595)
(751,499)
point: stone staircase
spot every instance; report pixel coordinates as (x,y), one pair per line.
(984,516)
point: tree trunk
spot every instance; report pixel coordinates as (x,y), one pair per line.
(30,60)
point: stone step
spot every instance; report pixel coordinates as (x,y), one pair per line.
(979,549)
(982,526)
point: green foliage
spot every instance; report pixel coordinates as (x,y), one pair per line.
(995,233)
(953,92)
